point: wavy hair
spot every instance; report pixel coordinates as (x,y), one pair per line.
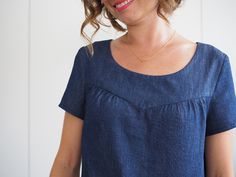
(94,8)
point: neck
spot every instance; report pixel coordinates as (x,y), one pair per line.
(152,31)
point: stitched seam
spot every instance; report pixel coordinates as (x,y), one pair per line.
(197,98)
(79,114)
(218,77)
(96,86)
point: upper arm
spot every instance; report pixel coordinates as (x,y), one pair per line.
(221,119)
(70,144)
(222,109)
(219,155)
(73,99)
(73,103)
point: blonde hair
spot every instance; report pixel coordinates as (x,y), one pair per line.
(94,8)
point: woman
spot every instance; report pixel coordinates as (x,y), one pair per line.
(147,104)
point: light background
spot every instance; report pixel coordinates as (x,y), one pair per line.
(38,43)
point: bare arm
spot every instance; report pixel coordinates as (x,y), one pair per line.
(219,156)
(68,158)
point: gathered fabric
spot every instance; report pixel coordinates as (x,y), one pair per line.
(139,125)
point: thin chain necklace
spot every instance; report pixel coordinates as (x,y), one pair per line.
(162,47)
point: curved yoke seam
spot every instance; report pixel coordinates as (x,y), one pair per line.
(99,87)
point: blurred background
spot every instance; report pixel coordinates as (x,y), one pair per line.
(38,42)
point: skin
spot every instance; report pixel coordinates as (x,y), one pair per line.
(218,152)
(68,157)
(146,32)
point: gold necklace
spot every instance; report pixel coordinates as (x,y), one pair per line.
(162,47)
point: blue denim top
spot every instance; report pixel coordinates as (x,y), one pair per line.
(140,125)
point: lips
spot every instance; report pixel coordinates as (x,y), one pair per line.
(118,2)
(121,5)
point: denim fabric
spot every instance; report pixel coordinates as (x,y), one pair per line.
(139,125)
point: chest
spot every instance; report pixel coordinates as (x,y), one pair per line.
(167,62)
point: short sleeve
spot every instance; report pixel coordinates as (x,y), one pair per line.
(72,100)
(222,109)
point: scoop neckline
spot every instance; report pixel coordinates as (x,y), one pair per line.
(118,66)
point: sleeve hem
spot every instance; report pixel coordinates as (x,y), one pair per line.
(222,129)
(79,115)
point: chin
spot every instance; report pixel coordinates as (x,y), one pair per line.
(131,21)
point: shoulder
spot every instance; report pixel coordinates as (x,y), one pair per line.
(98,47)
(212,54)
(212,60)
(101,43)
(215,60)
(84,59)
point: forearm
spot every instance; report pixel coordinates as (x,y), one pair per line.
(219,155)
(230,174)
(63,169)
(222,176)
